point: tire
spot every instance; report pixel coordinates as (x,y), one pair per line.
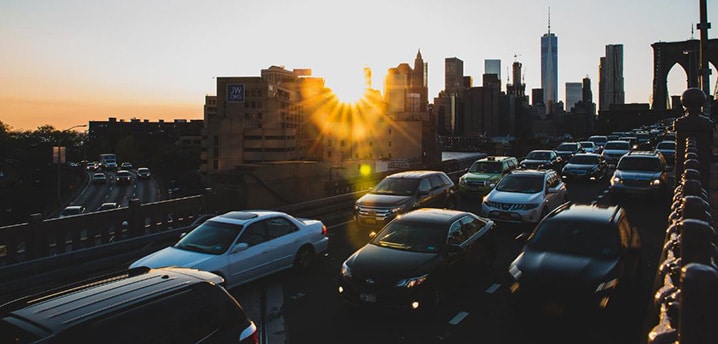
(304,258)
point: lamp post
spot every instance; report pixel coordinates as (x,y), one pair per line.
(58,156)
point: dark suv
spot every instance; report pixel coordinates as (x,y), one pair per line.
(641,172)
(169,305)
(402,192)
(577,259)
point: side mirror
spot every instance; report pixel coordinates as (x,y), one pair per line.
(239,247)
(372,234)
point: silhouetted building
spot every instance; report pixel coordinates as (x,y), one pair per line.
(516,87)
(610,82)
(492,66)
(574,94)
(405,89)
(549,67)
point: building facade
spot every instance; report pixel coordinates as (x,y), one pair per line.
(574,94)
(610,82)
(549,68)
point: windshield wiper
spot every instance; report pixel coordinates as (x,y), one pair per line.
(394,245)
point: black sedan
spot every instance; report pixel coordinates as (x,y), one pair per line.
(410,262)
(542,159)
(586,166)
(568,149)
(576,260)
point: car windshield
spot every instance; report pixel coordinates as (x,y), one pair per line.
(666,146)
(567,147)
(538,156)
(583,160)
(618,145)
(411,236)
(486,167)
(521,183)
(587,144)
(210,237)
(573,237)
(396,186)
(639,164)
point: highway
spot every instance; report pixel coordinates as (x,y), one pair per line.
(93,195)
(305,308)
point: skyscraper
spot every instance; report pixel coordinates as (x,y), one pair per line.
(610,79)
(453,75)
(574,94)
(492,66)
(549,67)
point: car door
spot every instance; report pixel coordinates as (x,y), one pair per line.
(439,191)
(285,239)
(425,197)
(249,256)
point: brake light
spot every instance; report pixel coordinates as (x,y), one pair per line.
(324,230)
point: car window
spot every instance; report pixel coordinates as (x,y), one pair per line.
(446,179)
(486,167)
(583,159)
(457,234)
(211,237)
(255,233)
(410,236)
(424,185)
(581,238)
(397,186)
(521,183)
(471,226)
(279,226)
(436,182)
(640,164)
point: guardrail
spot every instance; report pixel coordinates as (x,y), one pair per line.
(686,296)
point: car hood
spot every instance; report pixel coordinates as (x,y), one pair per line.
(514,197)
(171,256)
(562,268)
(383,262)
(371,199)
(637,175)
(615,151)
(571,166)
(481,176)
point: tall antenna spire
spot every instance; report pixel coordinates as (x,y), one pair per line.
(549,20)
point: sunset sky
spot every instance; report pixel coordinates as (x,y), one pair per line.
(67,62)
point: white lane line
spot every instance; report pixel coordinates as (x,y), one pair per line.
(458,318)
(494,287)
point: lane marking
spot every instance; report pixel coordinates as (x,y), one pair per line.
(458,318)
(494,287)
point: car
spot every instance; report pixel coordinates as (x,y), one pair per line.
(668,149)
(577,259)
(99,178)
(614,150)
(169,305)
(632,140)
(485,173)
(525,196)
(110,165)
(641,173)
(402,192)
(126,166)
(542,158)
(92,166)
(408,265)
(242,246)
(124,177)
(599,140)
(586,166)
(568,149)
(72,210)
(589,146)
(108,206)
(143,173)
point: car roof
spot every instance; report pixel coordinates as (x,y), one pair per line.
(585,213)
(74,207)
(413,174)
(531,172)
(433,216)
(497,158)
(62,308)
(642,154)
(588,154)
(242,217)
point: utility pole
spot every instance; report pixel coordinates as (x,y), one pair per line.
(704,69)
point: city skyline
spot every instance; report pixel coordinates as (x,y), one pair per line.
(68,63)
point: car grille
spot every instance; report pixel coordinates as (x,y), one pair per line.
(505,206)
(636,183)
(373,211)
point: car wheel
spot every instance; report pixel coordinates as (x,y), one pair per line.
(304,258)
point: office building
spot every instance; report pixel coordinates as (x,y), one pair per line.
(453,75)
(610,81)
(549,67)
(574,94)
(493,66)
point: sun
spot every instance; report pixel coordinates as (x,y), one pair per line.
(350,88)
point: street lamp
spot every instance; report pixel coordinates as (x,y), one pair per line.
(58,156)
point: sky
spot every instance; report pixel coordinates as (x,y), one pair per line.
(67,62)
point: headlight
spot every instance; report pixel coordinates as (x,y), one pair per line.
(656,182)
(412,282)
(607,285)
(356,207)
(462,181)
(346,271)
(397,209)
(515,272)
(616,180)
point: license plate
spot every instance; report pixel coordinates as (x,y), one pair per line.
(505,216)
(370,298)
(370,220)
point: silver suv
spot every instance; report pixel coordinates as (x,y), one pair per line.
(641,172)
(525,196)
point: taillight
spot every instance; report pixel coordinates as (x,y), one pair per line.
(324,230)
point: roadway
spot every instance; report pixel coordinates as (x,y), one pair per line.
(305,308)
(93,195)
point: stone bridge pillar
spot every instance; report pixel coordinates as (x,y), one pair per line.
(694,124)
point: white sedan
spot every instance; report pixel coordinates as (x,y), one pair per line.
(243,246)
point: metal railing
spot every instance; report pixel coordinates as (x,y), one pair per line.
(686,296)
